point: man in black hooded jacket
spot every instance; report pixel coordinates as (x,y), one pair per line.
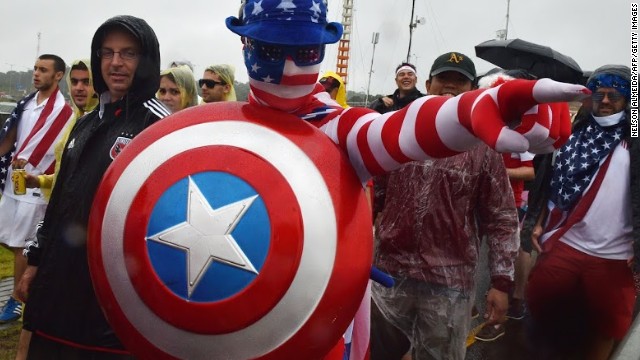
(63,311)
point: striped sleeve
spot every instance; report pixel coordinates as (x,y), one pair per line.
(435,126)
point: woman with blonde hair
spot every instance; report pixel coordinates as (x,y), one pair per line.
(177,88)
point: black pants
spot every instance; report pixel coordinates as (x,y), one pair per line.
(387,341)
(41,348)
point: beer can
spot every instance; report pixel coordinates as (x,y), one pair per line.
(19,181)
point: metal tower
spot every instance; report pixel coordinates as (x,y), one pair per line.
(342,66)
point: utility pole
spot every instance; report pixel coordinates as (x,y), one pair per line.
(374,41)
(38,46)
(411,26)
(506,28)
(413,23)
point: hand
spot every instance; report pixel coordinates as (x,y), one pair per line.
(497,305)
(497,109)
(19,163)
(22,289)
(32,181)
(387,101)
(535,235)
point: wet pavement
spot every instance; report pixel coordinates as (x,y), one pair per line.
(514,343)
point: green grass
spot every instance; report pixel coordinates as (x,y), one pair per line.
(9,341)
(9,336)
(6,262)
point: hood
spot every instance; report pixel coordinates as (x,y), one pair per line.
(147,78)
(182,76)
(93,100)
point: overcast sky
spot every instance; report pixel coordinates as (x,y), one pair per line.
(592,32)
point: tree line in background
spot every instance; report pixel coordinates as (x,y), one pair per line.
(16,84)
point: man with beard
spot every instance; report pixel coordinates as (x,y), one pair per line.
(581,291)
(217,84)
(34,127)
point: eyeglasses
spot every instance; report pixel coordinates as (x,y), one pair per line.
(124,54)
(210,83)
(613,96)
(276,54)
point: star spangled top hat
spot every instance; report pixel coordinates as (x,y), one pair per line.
(286,22)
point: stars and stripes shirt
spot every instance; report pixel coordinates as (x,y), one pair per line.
(40,127)
(5,159)
(589,208)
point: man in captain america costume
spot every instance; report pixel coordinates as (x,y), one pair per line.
(284,43)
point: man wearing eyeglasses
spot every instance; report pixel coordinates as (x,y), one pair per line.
(217,84)
(581,291)
(63,312)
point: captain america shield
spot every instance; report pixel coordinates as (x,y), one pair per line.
(228,231)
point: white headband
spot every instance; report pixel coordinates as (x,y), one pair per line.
(406,68)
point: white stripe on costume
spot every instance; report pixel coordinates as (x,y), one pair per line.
(452,134)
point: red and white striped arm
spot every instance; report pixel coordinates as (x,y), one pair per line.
(435,127)
(497,108)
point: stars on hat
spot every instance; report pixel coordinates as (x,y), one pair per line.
(286,5)
(315,8)
(316,11)
(255,67)
(257,8)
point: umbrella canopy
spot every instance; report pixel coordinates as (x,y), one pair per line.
(541,61)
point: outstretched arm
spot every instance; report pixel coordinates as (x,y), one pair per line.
(434,126)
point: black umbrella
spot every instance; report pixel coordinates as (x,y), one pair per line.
(541,61)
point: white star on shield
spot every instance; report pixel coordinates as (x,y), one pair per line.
(206,235)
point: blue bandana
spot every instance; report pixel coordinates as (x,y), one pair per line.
(610,81)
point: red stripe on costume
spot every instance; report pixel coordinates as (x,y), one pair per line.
(337,352)
(426,131)
(274,99)
(486,121)
(302,79)
(561,117)
(365,152)
(51,135)
(390,139)
(515,98)
(346,124)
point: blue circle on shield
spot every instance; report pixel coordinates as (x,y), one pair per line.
(208,236)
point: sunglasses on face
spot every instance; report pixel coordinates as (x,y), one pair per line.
(613,96)
(276,54)
(210,83)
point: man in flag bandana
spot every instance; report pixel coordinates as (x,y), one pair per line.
(34,127)
(284,45)
(582,284)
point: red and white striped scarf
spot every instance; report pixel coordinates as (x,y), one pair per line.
(45,134)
